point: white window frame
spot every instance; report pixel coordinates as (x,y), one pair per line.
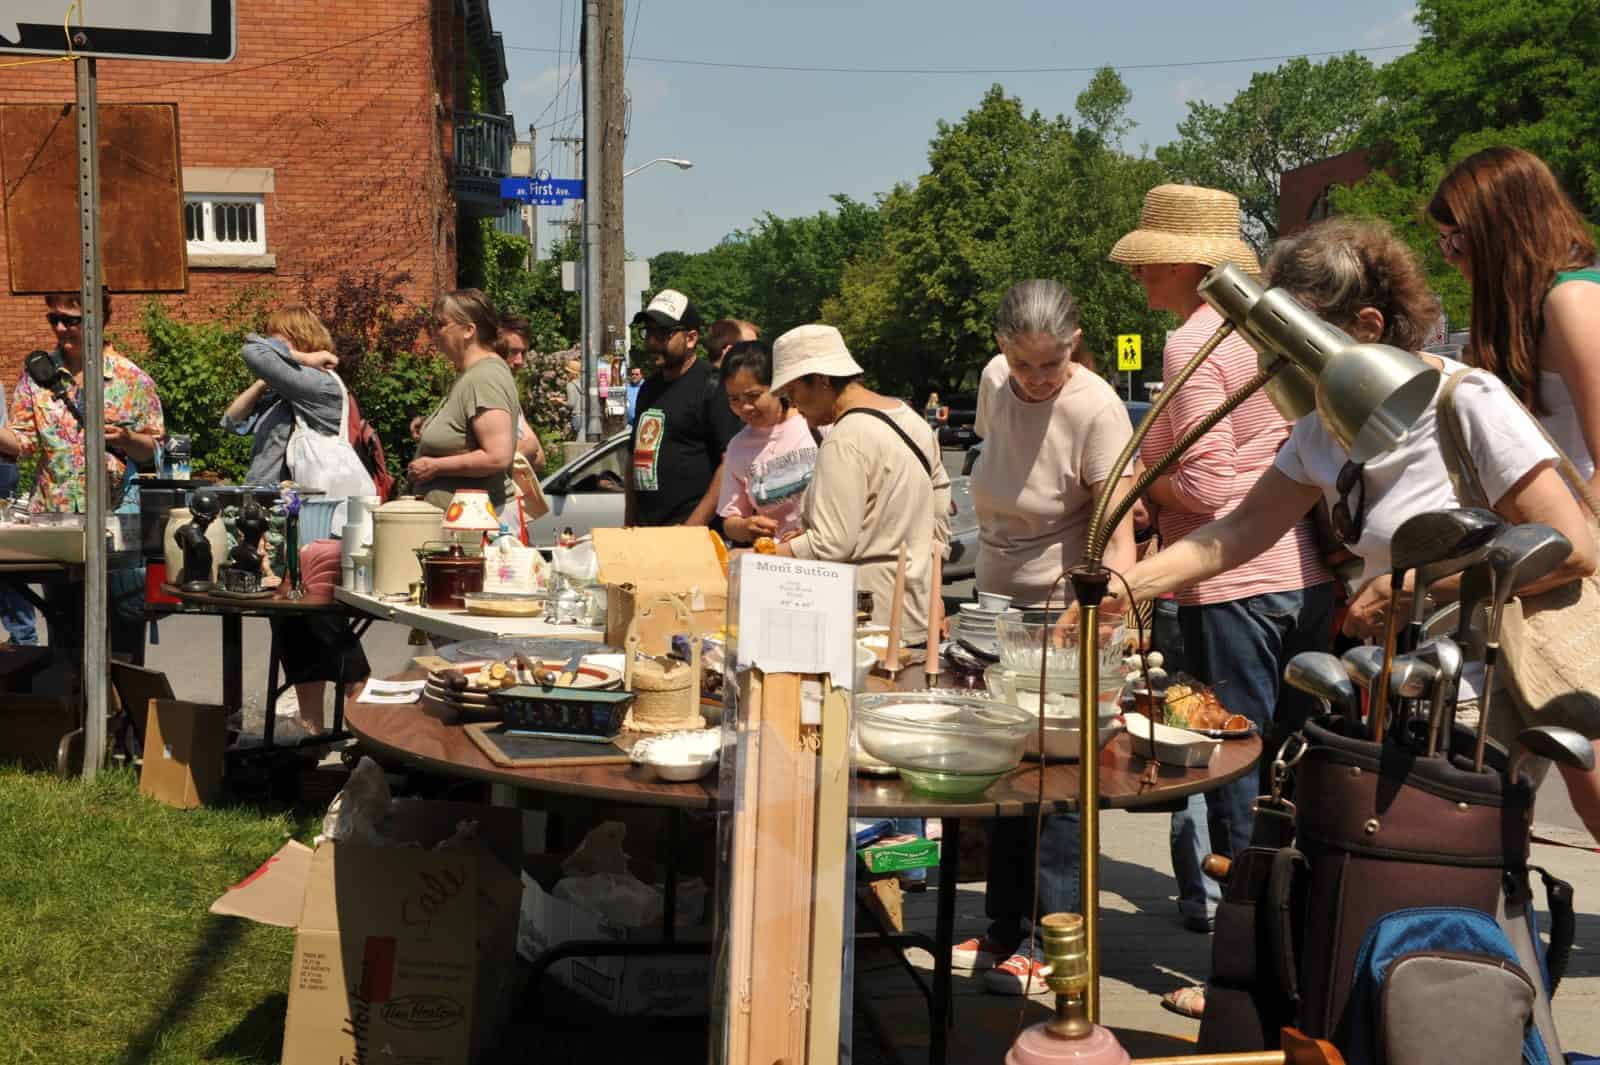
(208,242)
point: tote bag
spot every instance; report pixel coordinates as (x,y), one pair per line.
(1550,642)
(326,461)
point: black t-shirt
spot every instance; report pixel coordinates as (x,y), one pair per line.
(680,430)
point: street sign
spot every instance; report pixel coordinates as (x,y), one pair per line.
(1130,358)
(195,30)
(544,191)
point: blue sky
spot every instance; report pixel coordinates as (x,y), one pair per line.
(785,140)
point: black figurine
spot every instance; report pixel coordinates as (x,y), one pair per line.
(204,506)
(246,554)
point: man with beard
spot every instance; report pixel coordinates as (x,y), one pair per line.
(682,423)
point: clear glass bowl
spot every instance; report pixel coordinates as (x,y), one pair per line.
(1021,636)
(947,743)
(1062,741)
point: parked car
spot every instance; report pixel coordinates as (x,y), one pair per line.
(962,413)
(588,494)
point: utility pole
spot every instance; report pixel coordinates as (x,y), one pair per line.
(594,338)
(613,102)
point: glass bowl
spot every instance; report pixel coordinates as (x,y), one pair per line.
(1021,635)
(947,743)
(1062,741)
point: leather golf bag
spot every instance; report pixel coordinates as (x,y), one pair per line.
(1381,837)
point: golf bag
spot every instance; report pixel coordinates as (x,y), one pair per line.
(1378,832)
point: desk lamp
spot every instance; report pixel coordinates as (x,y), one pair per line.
(1367,395)
(470,512)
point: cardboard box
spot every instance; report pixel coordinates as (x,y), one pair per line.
(898,853)
(401,953)
(639,565)
(183,747)
(672,985)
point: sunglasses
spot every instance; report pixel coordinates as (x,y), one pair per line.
(1347,525)
(71,321)
(662,331)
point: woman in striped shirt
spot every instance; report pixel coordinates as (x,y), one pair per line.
(1240,628)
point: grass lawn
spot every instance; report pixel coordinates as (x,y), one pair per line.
(107,953)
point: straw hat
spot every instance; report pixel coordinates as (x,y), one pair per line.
(1187,224)
(808,349)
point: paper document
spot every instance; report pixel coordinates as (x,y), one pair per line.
(392,691)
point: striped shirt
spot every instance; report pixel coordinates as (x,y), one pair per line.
(1214,476)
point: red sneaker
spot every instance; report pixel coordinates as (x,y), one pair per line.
(1017,975)
(977,953)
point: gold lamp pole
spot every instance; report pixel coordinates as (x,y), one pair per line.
(1367,395)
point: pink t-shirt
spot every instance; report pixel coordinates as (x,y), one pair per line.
(1214,476)
(766,471)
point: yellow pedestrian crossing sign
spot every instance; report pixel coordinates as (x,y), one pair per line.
(1130,356)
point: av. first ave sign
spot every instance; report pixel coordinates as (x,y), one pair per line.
(199,31)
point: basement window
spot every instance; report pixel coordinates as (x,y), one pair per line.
(225,224)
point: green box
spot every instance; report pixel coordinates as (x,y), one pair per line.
(894,856)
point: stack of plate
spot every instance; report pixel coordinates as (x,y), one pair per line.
(974,627)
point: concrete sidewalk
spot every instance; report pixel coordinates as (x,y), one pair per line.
(1146,953)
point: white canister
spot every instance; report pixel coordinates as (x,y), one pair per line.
(349,544)
(399,528)
(359,512)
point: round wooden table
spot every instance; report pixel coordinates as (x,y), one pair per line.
(1127,781)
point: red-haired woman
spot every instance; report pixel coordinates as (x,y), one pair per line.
(1506,224)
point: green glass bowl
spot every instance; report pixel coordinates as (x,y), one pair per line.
(949,785)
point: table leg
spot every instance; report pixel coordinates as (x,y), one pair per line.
(269,726)
(233,662)
(944,934)
(669,894)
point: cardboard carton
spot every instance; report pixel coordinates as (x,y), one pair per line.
(183,747)
(401,953)
(669,985)
(639,565)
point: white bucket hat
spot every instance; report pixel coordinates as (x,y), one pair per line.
(809,349)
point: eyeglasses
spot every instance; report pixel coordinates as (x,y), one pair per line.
(664,332)
(1345,526)
(71,321)
(1453,243)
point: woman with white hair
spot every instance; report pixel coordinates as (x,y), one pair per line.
(879,483)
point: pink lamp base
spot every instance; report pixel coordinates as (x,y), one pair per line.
(1037,1046)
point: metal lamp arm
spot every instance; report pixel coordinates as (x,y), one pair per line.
(1095,544)
(1185,442)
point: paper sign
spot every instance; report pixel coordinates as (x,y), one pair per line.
(797,616)
(1130,352)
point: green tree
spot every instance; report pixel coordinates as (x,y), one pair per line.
(1297,114)
(795,264)
(715,280)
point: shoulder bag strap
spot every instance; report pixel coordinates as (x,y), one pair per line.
(344,409)
(1458,460)
(901,433)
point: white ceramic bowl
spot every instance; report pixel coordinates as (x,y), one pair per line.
(679,757)
(1173,746)
(1062,738)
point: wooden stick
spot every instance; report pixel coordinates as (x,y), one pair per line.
(891,656)
(935,616)
(772,980)
(832,863)
(742,889)
(800,920)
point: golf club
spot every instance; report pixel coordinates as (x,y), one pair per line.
(1422,540)
(1477,586)
(1562,746)
(1322,675)
(1520,555)
(1445,655)
(1411,678)
(1431,574)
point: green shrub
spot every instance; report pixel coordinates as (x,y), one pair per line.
(395,387)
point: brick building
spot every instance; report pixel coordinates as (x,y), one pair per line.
(1303,191)
(341,138)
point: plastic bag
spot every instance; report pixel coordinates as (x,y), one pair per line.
(621,901)
(359,808)
(327,461)
(578,563)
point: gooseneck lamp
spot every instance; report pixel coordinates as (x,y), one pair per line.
(1367,395)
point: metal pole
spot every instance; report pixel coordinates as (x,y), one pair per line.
(94,443)
(593,132)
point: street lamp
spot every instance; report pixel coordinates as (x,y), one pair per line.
(681,164)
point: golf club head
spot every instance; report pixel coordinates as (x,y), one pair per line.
(1477,585)
(1523,554)
(1435,535)
(1445,655)
(1411,678)
(1322,675)
(1576,710)
(1363,664)
(1433,572)
(1562,746)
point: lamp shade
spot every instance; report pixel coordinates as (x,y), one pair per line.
(470,511)
(1367,395)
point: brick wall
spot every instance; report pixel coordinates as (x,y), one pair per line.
(357,137)
(1302,192)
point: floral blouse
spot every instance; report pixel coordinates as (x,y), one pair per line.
(44,424)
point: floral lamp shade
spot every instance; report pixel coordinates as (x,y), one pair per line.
(470,511)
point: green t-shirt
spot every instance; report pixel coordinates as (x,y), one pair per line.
(485,385)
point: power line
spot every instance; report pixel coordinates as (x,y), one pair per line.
(992,71)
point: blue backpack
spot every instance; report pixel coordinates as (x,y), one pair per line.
(1441,983)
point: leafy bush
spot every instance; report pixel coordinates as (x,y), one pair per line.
(198,372)
(394,387)
(367,313)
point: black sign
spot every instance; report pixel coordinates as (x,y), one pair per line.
(194,30)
